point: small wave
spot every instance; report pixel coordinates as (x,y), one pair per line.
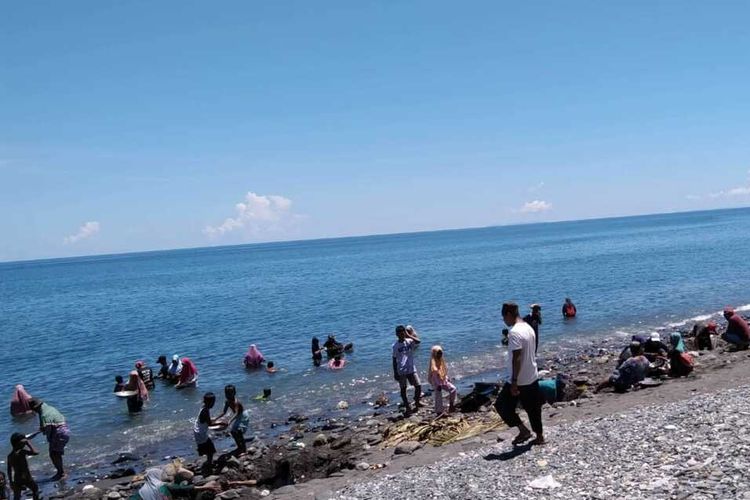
(744,308)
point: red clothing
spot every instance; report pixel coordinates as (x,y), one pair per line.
(736,325)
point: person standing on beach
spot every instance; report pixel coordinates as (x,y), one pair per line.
(403,368)
(239,421)
(200,431)
(738,332)
(534,319)
(19,474)
(52,424)
(569,309)
(523,385)
(437,375)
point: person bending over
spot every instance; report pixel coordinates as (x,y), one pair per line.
(738,332)
(630,372)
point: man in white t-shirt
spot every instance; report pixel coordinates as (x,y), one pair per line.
(403,367)
(522,384)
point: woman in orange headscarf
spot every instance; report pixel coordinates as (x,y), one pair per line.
(438,377)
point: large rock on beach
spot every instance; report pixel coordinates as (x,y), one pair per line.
(407,447)
(341,442)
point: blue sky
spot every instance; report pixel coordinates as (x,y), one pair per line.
(130,126)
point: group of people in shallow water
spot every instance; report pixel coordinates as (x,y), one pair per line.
(645,356)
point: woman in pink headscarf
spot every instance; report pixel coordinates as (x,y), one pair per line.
(19,403)
(253,357)
(188,375)
(135,403)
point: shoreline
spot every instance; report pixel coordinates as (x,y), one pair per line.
(323,455)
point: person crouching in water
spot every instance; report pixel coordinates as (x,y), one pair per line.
(135,402)
(438,377)
(188,375)
(200,432)
(336,363)
(19,474)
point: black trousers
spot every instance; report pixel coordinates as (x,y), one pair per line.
(531,400)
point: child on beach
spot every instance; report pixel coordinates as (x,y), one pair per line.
(200,431)
(19,474)
(119,384)
(438,377)
(240,419)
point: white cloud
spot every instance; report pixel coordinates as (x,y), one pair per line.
(87,230)
(536,206)
(729,193)
(255,216)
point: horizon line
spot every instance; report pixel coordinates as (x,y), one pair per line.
(372,235)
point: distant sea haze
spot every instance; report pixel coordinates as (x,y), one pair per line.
(71,325)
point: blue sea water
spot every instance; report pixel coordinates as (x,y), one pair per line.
(68,326)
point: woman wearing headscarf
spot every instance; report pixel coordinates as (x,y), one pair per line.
(173,374)
(437,375)
(188,375)
(19,403)
(135,383)
(52,424)
(253,357)
(680,362)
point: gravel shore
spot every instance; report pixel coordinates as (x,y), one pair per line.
(694,448)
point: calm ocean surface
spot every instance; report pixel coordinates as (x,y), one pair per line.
(69,326)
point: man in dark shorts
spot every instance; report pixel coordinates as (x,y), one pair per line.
(19,474)
(522,384)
